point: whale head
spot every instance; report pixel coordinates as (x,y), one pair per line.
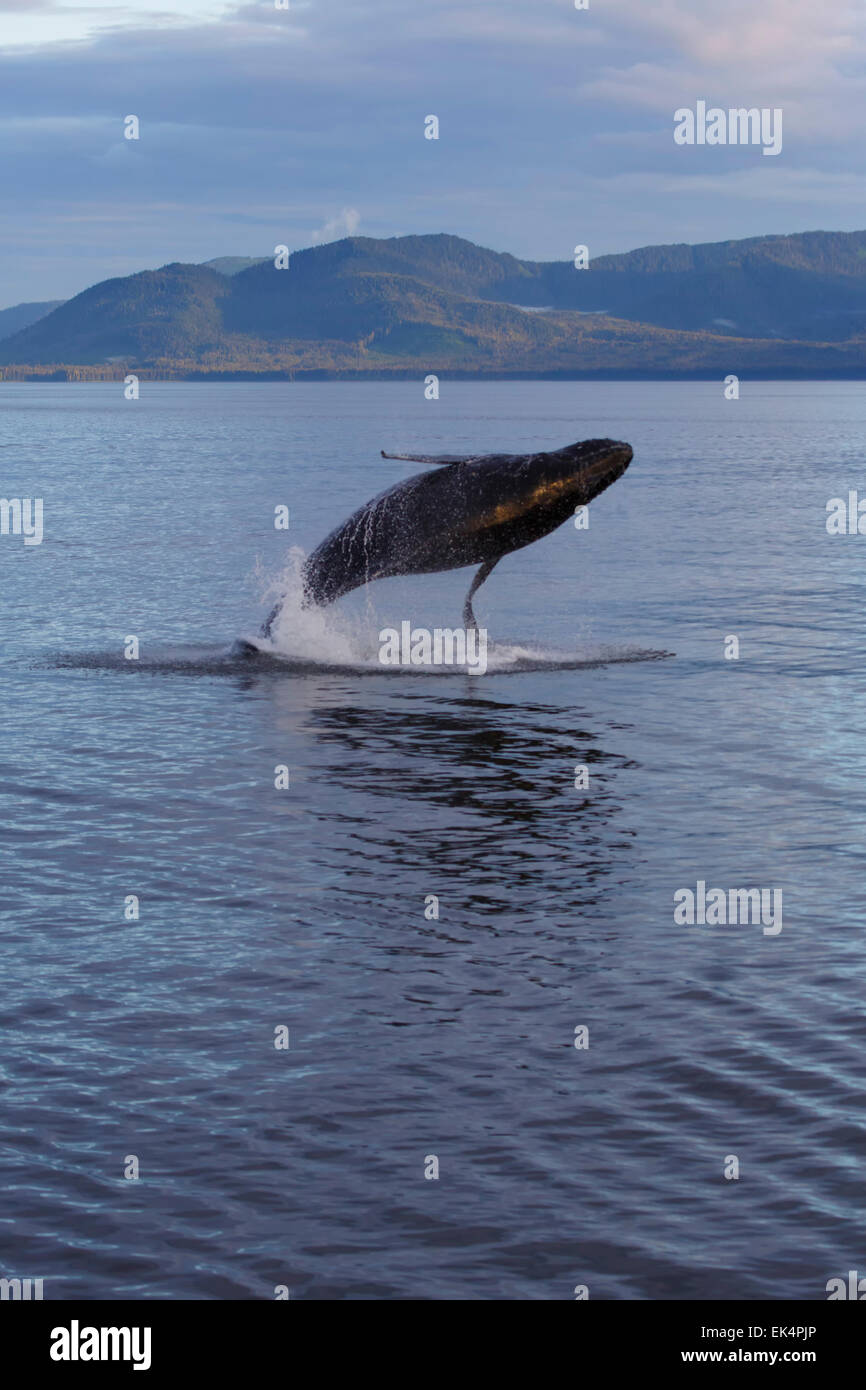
(530,495)
(581,471)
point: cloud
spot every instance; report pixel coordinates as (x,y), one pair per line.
(256,122)
(795,54)
(346,223)
(744,37)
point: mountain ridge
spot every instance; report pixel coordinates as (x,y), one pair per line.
(19,316)
(439,302)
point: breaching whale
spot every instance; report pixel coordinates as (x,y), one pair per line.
(468,510)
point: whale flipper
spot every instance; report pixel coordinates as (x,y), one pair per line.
(432,458)
(468,615)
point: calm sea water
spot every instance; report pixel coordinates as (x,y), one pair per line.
(304,908)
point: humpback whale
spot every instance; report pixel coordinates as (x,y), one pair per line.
(467,510)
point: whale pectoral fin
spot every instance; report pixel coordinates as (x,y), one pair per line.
(468,615)
(431,458)
(269,620)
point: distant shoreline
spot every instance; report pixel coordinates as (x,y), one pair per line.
(93,375)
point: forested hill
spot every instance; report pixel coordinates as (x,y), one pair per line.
(773,304)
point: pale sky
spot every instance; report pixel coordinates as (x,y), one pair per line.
(261,126)
(27,23)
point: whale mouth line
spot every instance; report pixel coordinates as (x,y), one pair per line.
(602,472)
(610,467)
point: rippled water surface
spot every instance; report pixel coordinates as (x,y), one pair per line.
(413,1036)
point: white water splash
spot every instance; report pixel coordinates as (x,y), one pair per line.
(331,637)
(321,636)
